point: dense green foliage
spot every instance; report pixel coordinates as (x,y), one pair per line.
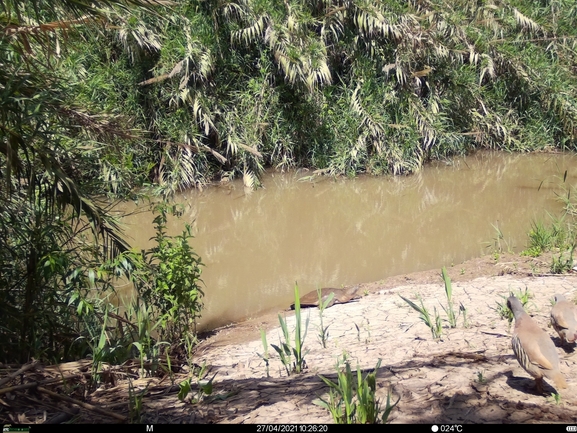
(226,89)
(61,253)
(175,291)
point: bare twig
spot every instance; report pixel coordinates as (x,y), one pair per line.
(20,371)
(60,411)
(86,406)
(45,382)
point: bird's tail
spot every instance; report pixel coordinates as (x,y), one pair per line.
(559,380)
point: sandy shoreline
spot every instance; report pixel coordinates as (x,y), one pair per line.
(438,381)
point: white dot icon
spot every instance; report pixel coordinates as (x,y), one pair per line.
(435,428)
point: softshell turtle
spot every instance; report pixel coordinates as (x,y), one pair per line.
(341,296)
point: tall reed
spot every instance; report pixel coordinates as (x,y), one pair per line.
(323,331)
(452,317)
(285,350)
(355,402)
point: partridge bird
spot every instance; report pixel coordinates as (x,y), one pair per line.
(564,319)
(533,348)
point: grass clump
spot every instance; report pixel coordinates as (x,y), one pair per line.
(355,402)
(500,244)
(434,324)
(504,311)
(481,378)
(563,262)
(204,386)
(555,397)
(285,350)
(433,321)
(558,235)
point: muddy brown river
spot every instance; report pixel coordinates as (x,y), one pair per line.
(334,232)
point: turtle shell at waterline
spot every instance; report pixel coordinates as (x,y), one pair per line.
(341,296)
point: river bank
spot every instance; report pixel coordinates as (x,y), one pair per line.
(468,376)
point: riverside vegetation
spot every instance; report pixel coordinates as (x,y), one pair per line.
(121,98)
(348,403)
(285,349)
(434,322)
(183,94)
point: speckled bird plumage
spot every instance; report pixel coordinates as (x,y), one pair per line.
(564,319)
(533,348)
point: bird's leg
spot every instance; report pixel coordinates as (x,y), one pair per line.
(539,385)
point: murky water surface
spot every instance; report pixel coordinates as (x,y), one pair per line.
(346,231)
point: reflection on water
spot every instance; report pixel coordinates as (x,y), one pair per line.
(346,231)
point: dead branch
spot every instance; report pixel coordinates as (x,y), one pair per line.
(36,384)
(86,406)
(24,368)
